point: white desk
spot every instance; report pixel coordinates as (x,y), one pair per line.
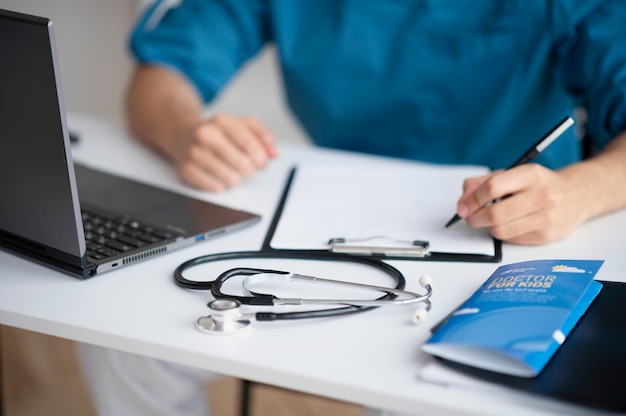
(371,358)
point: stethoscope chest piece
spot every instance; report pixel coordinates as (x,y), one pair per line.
(224,318)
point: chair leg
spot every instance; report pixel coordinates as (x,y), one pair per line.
(246,387)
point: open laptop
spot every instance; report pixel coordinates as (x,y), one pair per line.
(67,216)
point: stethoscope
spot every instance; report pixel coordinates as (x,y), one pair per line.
(225,310)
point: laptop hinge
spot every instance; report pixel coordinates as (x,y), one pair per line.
(40,255)
(67,258)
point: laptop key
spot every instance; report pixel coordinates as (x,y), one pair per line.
(107,237)
(148,238)
(130,241)
(163,235)
(107,252)
(116,245)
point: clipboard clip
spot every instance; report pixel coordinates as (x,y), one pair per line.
(379,246)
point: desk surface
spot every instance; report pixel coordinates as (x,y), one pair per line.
(371,358)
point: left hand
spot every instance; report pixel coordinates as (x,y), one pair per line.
(536,205)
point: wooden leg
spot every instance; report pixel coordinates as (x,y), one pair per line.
(1,376)
(246,387)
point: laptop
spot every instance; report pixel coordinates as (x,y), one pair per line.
(65,215)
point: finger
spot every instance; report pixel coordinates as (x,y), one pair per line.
(249,145)
(465,204)
(205,166)
(266,136)
(533,229)
(524,218)
(498,185)
(219,154)
(502,212)
(200,178)
(470,184)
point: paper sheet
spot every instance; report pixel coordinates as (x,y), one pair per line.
(436,373)
(400,201)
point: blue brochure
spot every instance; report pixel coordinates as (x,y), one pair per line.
(516,321)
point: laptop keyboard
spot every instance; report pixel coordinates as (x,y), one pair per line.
(108,237)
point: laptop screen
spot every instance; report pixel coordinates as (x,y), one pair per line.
(36,178)
(40,213)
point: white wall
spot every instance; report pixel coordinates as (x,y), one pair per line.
(91,40)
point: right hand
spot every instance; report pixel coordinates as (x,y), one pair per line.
(220,152)
(536,205)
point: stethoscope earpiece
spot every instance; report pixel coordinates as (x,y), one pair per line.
(425,281)
(419,316)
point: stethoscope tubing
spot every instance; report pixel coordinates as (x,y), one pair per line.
(215,286)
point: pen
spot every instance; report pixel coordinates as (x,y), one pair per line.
(534,151)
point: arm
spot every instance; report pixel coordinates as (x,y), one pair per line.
(165,111)
(544,205)
(539,205)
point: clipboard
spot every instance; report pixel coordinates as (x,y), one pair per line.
(378,245)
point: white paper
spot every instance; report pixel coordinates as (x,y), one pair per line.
(436,373)
(400,201)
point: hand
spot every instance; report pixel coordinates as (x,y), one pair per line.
(220,152)
(535,205)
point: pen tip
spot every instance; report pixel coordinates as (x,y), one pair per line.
(453,221)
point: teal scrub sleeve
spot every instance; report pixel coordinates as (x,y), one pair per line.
(206,41)
(592,66)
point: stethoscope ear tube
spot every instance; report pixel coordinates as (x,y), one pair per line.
(256,300)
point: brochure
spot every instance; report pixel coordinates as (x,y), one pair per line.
(516,321)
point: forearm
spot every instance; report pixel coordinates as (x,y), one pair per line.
(165,111)
(162,109)
(601,179)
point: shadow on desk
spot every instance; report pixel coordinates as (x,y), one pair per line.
(40,375)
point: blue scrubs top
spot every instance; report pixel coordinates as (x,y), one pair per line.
(447,81)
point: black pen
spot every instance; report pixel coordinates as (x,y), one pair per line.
(534,151)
